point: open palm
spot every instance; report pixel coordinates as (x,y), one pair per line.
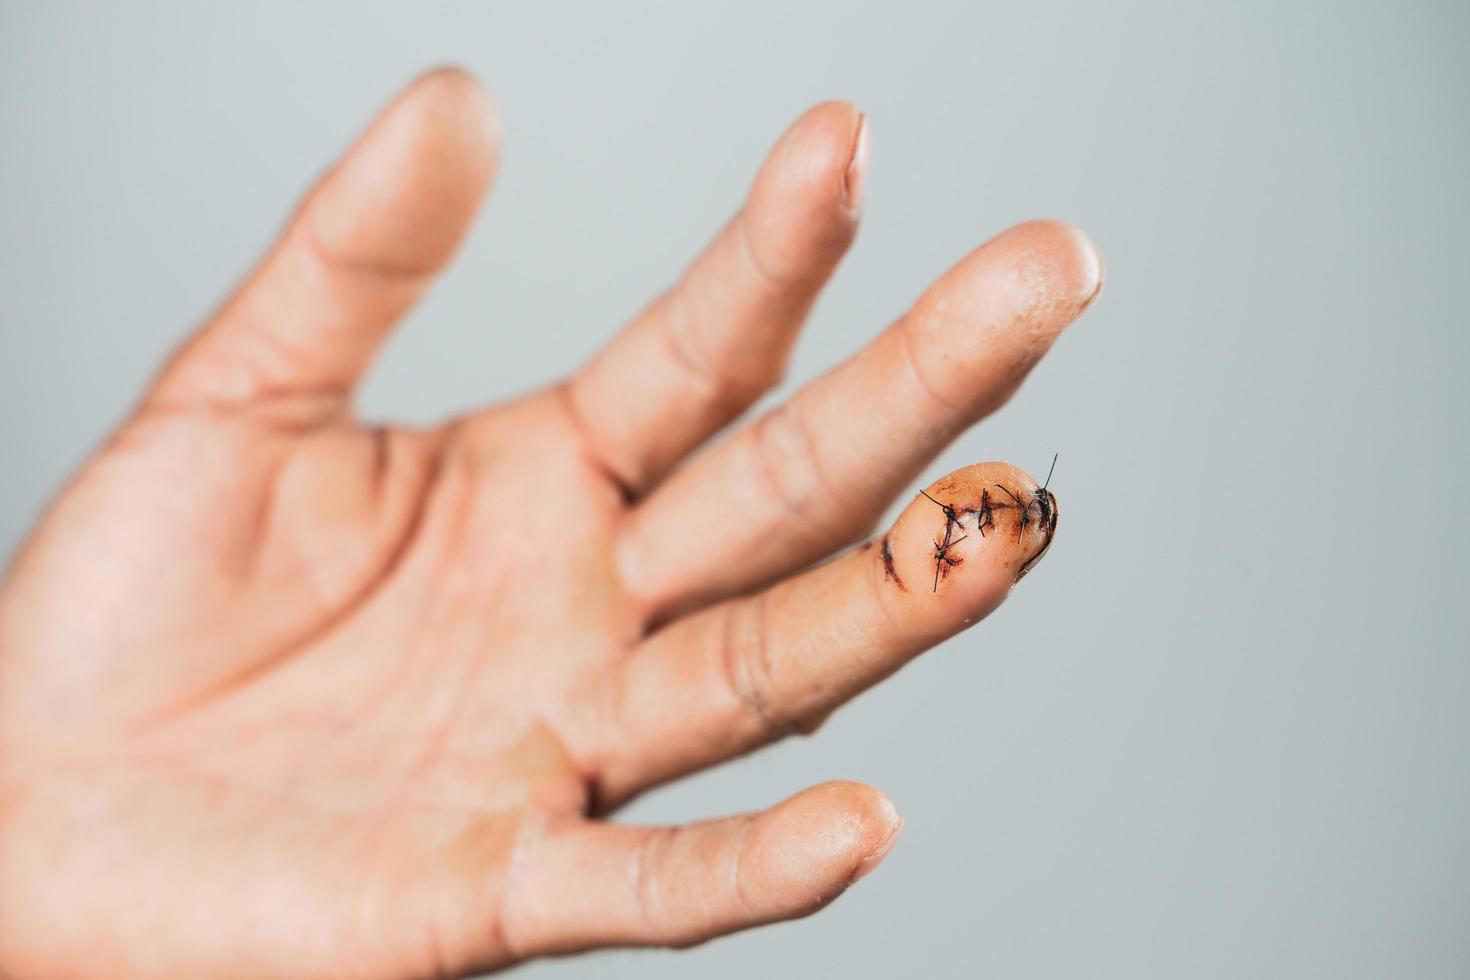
(285,695)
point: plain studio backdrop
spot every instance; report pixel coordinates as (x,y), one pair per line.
(1222,730)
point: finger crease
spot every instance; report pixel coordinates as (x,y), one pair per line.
(644,876)
(737,878)
(391,273)
(910,357)
(746,659)
(783,443)
(726,393)
(623,484)
(747,249)
(524,849)
(684,348)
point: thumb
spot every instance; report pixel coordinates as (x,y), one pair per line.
(362,247)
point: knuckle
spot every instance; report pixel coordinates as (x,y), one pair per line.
(924,380)
(728,379)
(680,336)
(747,667)
(786,460)
(649,860)
(739,876)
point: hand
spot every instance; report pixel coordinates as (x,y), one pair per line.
(282,694)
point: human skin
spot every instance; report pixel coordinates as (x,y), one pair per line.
(283,694)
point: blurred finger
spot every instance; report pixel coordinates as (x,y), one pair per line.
(604,884)
(737,675)
(815,473)
(360,250)
(706,349)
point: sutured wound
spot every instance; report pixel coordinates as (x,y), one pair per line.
(984,511)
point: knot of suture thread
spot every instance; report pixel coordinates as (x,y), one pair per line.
(943,560)
(1023,506)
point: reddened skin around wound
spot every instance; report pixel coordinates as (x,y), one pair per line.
(969,536)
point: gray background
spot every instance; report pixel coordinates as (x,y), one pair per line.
(1222,731)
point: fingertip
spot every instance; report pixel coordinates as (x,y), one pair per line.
(1058,262)
(985,323)
(403,196)
(881,824)
(810,848)
(875,857)
(964,541)
(462,107)
(863,816)
(802,210)
(450,78)
(822,144)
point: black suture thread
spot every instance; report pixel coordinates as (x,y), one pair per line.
(942,556)
(941,548)
(1042,496)
(1024,508)
(951,516)
(984,515)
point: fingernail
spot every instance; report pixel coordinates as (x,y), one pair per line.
(857,167)
(1095,269)
(867,864)
(1047,524)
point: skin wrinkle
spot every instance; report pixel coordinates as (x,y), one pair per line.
(439,484)
(565,395)
(611,711)
(270,355)
(439,740)
(777,284)
(646,863)
(725,393)
(493,895)
(782,439)
(737,862)
(760,668)
(275,410)
(263,515)
(769,469)
(394,557)
(809,453)
(744,663)
(910,359)
(328,259)
(301,243)
(372,582)
(685,351)
(271,797)
(881,850)
(525,847)
(277,544)
(327,273)
(383,440)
